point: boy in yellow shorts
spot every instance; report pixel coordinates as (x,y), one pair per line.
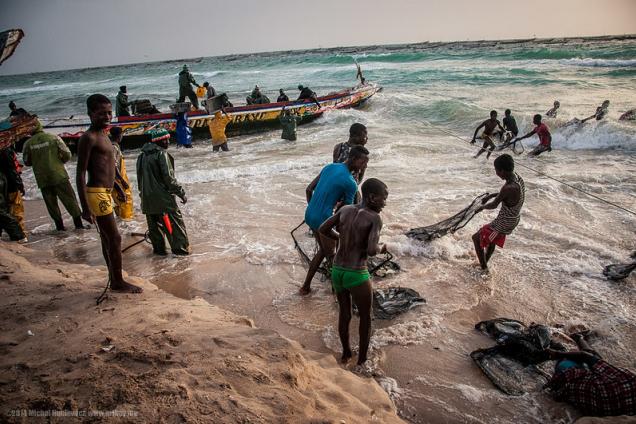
(359,233)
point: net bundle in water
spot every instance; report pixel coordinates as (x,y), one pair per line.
(450,225)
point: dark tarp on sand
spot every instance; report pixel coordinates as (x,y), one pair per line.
(9,40)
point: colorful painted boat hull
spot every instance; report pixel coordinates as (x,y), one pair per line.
(245,119)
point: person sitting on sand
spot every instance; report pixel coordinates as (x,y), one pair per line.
(307,94)
(217,130)
(600,113)
(545,138)
(157,189)
(489,126)
(282,97)
(583,379)
(357,137)
(95,155)
(334,184)
(357,237)
(630,115)
(122,195)
(552,113)
(47,154)
(289,122)
(511,196)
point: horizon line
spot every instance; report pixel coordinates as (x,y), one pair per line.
(436,43)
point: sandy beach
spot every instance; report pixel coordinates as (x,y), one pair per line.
(156,358)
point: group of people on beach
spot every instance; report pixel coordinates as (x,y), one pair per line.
(346,226)
(508,132)
(347,232)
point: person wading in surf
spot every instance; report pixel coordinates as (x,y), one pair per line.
(357,137)
(545,138)
(489,126)
(334,185)
(358,238)
(511,196)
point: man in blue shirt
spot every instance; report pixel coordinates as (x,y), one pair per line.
(333,186)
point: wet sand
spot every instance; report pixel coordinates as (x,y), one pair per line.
(155,358)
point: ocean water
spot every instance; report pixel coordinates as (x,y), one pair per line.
(243,204)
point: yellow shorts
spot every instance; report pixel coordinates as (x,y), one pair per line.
(99,200)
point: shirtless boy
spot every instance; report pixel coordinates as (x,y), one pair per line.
(358,236)
(511,196)
(96,156)
(489,126)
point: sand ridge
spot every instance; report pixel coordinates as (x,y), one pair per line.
(155,358)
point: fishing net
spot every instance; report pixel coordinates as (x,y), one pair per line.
(391,302)
(306,245)
(515,145)
(450,225)
(518,362)
(619,271)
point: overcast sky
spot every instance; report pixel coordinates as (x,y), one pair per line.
(66,34)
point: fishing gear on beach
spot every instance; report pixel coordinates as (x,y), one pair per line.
(449,225)
(618,272)
(379,266)
(146,238)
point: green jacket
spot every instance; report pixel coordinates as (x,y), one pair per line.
(289,125)
(47,154)
(121,104)
(156,182)
(185,79)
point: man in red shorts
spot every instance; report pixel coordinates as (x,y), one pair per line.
(545,138)
(511,196)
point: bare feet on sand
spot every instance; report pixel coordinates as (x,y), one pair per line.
(304,291)
(346,356)
(125,287)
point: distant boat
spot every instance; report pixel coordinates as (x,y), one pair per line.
(245,119)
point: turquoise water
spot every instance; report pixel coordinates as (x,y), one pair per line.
(453,84)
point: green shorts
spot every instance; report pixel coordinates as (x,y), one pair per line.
(345,278)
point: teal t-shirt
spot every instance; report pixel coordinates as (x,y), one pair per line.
(335,183)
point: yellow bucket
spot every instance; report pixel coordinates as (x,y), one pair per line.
(200,91)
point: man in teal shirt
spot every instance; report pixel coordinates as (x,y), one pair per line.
(334,185)
(47,154)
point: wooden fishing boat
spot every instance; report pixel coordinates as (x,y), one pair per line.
(245,119)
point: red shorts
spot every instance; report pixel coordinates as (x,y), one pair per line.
(488,236)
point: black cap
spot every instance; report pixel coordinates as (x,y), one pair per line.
(122,88)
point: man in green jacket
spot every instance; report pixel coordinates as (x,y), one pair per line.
(289,123)
(47,154)
(158,188)
(185,89)
(122,103)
